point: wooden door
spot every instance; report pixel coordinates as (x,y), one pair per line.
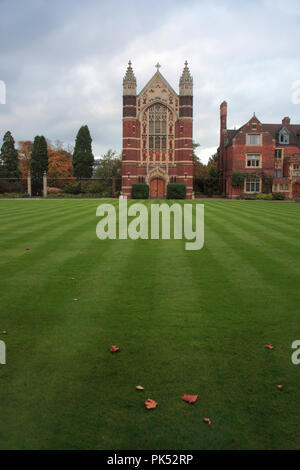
(157,188)
(296,190)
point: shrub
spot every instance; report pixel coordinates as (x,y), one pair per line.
(53,190)
(248,197)
(72,188)
(297,199)
(263,196)
(91,187)
(176,191)
(7,186)
(278,196)
(139,191)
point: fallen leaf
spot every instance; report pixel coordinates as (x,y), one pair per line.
(139,387)
(27,249)
(150,404)
(269,346)
(207,420)
(4,332)
(75,300)
(190,398)
(72,278)
(280,387)
(114,348)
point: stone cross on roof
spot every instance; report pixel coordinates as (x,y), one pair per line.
(158,66)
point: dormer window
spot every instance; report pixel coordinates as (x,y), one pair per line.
(284,136)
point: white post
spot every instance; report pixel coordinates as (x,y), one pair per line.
(45,189)
(29,184)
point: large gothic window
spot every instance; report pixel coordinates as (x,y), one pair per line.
(157,127)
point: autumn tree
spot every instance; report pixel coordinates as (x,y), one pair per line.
(9,157)
(83,158)
(60,164)
(24,152)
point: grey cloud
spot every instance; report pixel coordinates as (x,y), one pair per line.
(63,62)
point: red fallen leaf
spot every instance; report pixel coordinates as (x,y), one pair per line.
(190,398)
(280,387)
(75,300)
(207,420)
(269,346)
(139,387)
(27,249)
(150,404)
(114,348)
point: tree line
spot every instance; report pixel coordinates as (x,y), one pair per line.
(42,156)
(56,160)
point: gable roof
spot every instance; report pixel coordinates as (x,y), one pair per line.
(273,129)
(159,76)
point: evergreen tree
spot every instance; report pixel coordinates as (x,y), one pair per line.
(38,163)
(39,157)
(44,153)
(9,157)
(83,158)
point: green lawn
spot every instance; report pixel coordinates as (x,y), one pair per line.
(187,322)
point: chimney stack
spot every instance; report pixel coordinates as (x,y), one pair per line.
(286,121)
(223,119)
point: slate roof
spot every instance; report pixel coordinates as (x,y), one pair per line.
(274,129)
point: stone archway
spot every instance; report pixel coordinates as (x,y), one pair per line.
(157,188)
(157,179)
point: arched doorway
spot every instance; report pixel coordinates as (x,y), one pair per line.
(157,188)
(296,190)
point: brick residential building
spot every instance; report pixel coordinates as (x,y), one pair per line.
(157,133)
(259,157)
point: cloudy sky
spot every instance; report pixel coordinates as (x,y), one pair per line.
(63,62)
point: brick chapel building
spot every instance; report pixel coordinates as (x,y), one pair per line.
(157,133)
(265,156)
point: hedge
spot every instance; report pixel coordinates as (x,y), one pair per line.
(139,191)
(176,191)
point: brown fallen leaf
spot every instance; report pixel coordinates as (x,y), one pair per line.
(114,348)
(72,278)
(27,249)
(269,346)
(190,398)
(139,387)
(280,387)
(4,332)
(75,300)
(150,404)
(207,420)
